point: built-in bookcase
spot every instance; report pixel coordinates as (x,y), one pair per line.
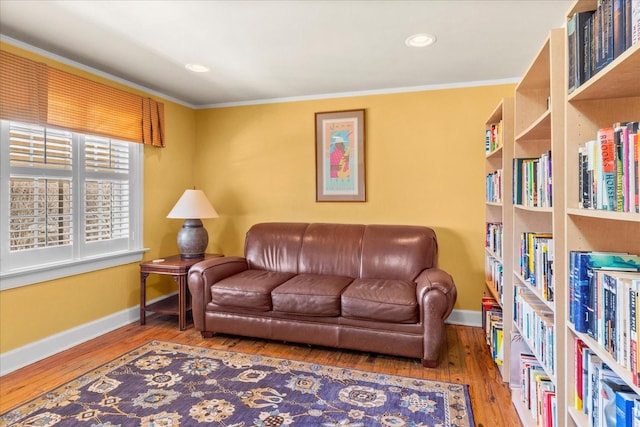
(499,214)
(538,223)
(545,220)
(610,96)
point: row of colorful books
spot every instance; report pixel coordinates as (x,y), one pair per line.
(493,187)
(535,261)
(538,392)
(534,320)
(604,290)
(596,37)
(492,326)
(493,138)
(600,393)
(493,238)
(494,275)
(532,181)
(608,173)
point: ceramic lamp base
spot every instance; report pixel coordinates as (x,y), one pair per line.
(192,239)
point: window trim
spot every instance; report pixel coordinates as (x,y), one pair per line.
(45,272)
(17,277)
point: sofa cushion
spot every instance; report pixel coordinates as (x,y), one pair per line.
(331,249)
(274,246)
(397,251)
(248,289)
(383,300)
(310,295)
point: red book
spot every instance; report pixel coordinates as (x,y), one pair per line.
(579,399)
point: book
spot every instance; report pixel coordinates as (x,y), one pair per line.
(518,349)
(586,356)
(610,385)
(607,151)
(605,45)
(635,21)
(579,346)
(572,54)
(618,26)
(633,330)
(625,401)
(578,41)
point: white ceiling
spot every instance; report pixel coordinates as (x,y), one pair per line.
(266,50)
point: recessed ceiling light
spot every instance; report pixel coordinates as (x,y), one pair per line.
(197,68)
(420,40)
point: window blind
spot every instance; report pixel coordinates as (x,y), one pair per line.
(33,92)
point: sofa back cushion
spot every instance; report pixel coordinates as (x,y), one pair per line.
(331,249)
(397,251)
(274,246)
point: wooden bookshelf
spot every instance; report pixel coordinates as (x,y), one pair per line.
(612,95)
(539,128)
(502,212)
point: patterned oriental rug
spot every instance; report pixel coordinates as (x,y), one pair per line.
(168,384)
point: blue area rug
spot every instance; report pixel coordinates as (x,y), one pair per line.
(168,384)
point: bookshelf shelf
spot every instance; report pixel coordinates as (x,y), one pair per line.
(599,214)
(533,209)
(535,291)
(497,153)
(521,409)
(539,129)
(619,79)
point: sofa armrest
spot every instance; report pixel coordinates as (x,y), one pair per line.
(437,279)
(436,295)
(203,275)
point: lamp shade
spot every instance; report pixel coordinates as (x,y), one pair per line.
(193,204)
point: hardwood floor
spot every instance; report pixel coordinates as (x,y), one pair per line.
(465,359)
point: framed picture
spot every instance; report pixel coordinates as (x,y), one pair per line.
(340,167)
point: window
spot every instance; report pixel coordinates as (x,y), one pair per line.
(71,203)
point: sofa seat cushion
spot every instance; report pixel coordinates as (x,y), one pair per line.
(382,300)
(248,289)
(310,295)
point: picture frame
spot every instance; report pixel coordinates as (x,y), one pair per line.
(340,156)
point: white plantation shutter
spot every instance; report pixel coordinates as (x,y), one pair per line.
(66,197)
(33,146)
(106,214)
(106,189)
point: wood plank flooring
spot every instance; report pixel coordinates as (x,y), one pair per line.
(465,359)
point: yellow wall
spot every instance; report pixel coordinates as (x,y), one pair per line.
(424,165)
(34,312)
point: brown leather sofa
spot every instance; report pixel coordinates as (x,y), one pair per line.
(371,288)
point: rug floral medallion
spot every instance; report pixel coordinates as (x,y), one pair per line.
(168,384)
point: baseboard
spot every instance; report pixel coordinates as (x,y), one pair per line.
(20,357)
(36,351)
(465,317)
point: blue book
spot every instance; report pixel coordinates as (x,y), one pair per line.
(625,401)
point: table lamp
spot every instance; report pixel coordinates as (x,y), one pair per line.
(193,237)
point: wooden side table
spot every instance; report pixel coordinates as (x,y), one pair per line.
(177,268)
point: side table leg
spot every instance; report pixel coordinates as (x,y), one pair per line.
(182,302)
(143,298)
